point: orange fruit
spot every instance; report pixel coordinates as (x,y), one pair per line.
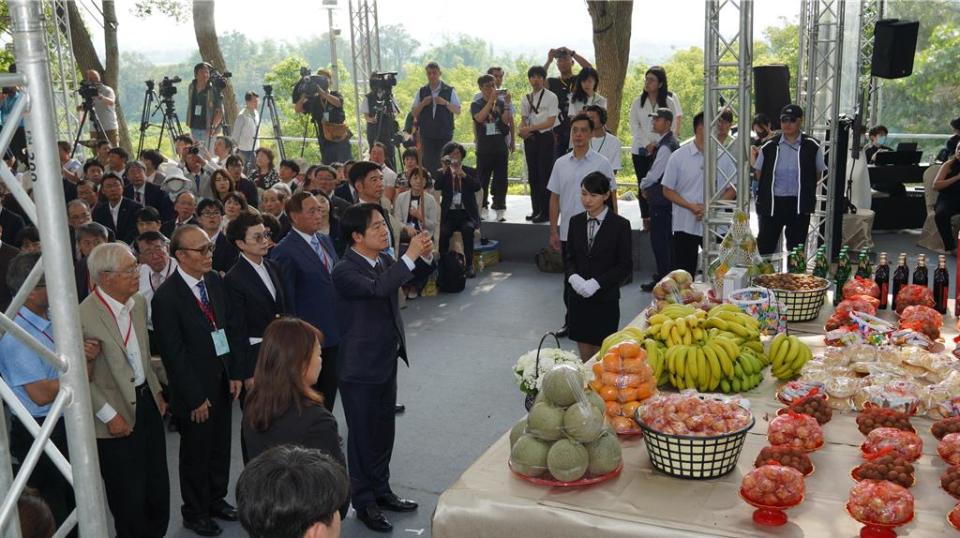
(597,370)
(613,409)
(629,409)
(628,349)
(626,395)
(645,390)
(596,385)
(623,424)
(612,362)
(634,366)
(608,393)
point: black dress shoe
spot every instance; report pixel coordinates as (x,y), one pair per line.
(540,218)
(471,273)
(399,408)
(563,332)
(373,518)
(531,216)
(204,526)
(394,503)
(225,512)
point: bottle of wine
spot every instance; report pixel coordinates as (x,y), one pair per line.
(882,278)
(901,277)
(941,285)
(920,277)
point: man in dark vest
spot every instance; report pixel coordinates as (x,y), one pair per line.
(433,108)
(788,166)
(562,86)
(661,210)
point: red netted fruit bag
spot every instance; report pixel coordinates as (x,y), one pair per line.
(922,319)
(861,286)
(913,294)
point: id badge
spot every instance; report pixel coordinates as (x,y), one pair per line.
(491,129)
(198,110)
(326,117)
(220,342)
(457,198)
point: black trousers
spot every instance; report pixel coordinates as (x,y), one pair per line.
(371,426)
(661,235)
(134,470)
(946,208)
(205,456)
(562,134)
(567,289)
(430,150)
(686,248)
(46,478)
(785,219)
(382,134)
(457,220)
(642,164)
(538,151)
(327,381)
(495,165)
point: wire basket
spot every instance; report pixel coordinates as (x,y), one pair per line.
(692,457)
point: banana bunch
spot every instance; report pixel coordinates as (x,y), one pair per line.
(729,318)
(746,372)
(627,333)
(678,325)
(704,366)
(787,356)
(656,358)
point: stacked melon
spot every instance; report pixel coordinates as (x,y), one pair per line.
(564,435)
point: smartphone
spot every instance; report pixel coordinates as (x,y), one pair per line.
(502,91)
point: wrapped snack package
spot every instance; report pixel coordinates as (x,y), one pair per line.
(949,448)
(922,319)
(910,337)
(841,316)
(773,485)
(880,501)
(795,430)
(912,294)
(690,413)
(861,286)
(676,288)
(899,395)
(882,441)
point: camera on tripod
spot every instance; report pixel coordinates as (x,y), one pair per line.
(219,80)
(167,88)
(310,85)
(88,90)
(383,82)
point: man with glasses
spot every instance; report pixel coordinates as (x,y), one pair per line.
(190,316)
(156,266)
(788,166)
(210,216)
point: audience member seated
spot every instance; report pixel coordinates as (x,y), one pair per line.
(117,213)
(143,192)
(234,203)
(947,184)
(458,204)
(264,173)
(88,237)
(148,220)
(198,170)
(93,170)
(287,172)
(210,216)
(417,211)
(117,159)
(222,185)
(87,191)
(951,142)
(185,208)
(29,239)
(234,167)
(152,159)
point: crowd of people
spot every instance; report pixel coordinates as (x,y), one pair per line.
(279,283)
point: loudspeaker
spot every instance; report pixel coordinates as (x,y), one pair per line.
(771,91)
(894,45)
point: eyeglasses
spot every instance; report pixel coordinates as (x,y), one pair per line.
(261,238)
(207,249)
(788,119)
(210,214)
(129,271)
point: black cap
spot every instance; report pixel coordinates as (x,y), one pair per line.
(794,111)
(662,112)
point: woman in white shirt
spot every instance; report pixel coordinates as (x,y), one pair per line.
(655,95)
(417,211)
(585,92)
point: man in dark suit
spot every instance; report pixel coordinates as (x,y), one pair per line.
(184,208)
(189,316)
(7,252)
(10,224)
(306,259)
(346,191)
(210,217)
(143,193)
(367,282)
(458,187)
(116,212)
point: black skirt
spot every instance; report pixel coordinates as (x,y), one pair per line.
(590,320)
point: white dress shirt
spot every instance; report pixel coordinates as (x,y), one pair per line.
(389,176)
(261,270)
(684,175)
(608,146)
(641,124)
(373,263)
(150,281)
(565,180)
(536,110)
(658,167)
(191,283)
(121,314)
(114,211)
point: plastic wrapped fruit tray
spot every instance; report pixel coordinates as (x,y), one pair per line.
(694,457)
(547,480)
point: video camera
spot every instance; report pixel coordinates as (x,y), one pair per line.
(217,79)
(88,90)
(383,82)
(167,88)
(310,85)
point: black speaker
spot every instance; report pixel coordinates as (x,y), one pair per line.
(894,45)
(771,91)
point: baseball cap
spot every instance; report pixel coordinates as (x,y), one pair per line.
(794,111)
(662,112)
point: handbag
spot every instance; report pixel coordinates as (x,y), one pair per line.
(335,132)
(549,261)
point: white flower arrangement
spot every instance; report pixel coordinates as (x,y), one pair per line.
(525,371)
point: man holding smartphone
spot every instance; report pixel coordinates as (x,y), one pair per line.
(562,87)
(491,120)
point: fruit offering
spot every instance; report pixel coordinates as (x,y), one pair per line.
(949,448)
(784,455)
(790,282)
(913,294)
(944,426)
(773,485)
(796,390)
(688,413)
(815,406)
(787,356)
(675,288)
(881,417)
(880,502)
(954,517)
(623,379)
(891,440)
(887,467)
(796,431)
(950,481)
(861,286)
(922,319)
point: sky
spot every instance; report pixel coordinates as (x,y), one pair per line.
(515,26)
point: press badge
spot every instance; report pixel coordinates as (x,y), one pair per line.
(220,342)
(456,199)
(198,110)
(491,129)
(326,117)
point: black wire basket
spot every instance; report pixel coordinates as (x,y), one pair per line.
(693,457)
(528,401)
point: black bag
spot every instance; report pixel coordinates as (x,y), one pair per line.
(452,273)
(549,261)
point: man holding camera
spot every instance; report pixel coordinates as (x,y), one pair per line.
(105,106)
(492,117)
(434,107)
(204,105)
(312,95)
(562,87)
(380,111)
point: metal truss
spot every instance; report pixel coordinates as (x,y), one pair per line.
(63,67)
(365,53)
(868,86)
(818,91)
(72,401)
(728,61)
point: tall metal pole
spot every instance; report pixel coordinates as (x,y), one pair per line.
(31,55)
(334,66)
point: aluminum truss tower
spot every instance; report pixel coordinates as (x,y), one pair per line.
(72,401)
(728,65)
(818,92)
(365,53)
(868,89)
(63,67)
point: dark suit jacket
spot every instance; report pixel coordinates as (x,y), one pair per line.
(343,191)
(153,195)
(312,427)
(194,370)
(284,227)
(468,197)
(126,227)
(7,252)
(82,276)
(69,191)
(12,224)
(307,283)
(251,309)
(225,254)
(249,190)
(610,260)
(369,313)
(168,227)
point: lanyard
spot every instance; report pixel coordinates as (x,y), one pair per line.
(536,109)
(602,142)
(165,277)
(38,329)
(207,312)
(114,316)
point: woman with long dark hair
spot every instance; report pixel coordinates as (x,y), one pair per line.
(264,174)
(585,92)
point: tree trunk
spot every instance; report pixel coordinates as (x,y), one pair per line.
(111,75)
(611,45)
(81,43)
(205,29)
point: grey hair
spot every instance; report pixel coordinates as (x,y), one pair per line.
(19,268)
(283,190)
(136,164)
(93,229)
(77,201)
(106,258)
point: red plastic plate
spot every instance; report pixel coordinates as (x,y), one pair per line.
(540,481)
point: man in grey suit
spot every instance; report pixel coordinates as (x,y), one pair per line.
(125,393)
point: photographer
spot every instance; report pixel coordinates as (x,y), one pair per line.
(434,106)
(204,105)
(491,120)
(312,95)
(562,87)
(380,112)
(104,104)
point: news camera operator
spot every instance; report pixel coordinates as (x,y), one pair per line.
(104,104)
(380,111)
(205,102)
(312,95)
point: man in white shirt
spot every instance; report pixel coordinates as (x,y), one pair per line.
(683,186)
(156,266)
(106,107)
(564,186)
(245,128)
(602,141)
(540,110)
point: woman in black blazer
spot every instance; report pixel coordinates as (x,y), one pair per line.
(598,259)
(282,408)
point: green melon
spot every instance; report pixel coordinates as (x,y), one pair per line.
(518,429)
(545,421)
(582,422)
(529,456)
(605,454)
(563,385)
(567,460)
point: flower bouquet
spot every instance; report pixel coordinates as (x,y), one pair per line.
(531,366)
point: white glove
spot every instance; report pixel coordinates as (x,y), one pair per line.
(577,283)
(590,287)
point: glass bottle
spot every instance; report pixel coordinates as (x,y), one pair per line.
(941,285)
(901,277)
(920,276)
(882,278)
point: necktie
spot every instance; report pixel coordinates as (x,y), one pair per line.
(592,225)
(205,303)
(378,267)
(315,243)
(136,197)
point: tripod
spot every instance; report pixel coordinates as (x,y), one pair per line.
(386,111)
(91,113)
(170,123)
(270,105)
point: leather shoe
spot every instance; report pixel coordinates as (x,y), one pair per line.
(203,526)
(373,518)
(540,218)
(225,512)
(531,216)
(563,332)
(394,503)
(399,409)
